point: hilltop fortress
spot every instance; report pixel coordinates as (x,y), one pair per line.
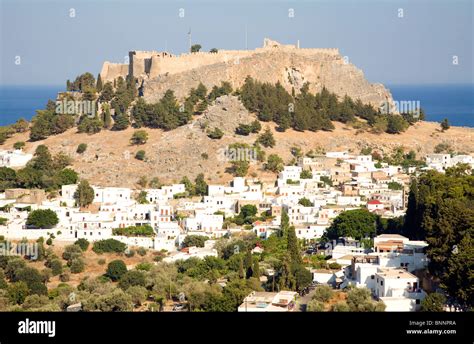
(291,65)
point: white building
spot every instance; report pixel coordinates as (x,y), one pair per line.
(14,158)
(399,290)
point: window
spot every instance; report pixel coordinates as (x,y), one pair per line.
(372,277)
(381,282)
(417,301)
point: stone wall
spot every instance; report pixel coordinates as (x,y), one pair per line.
(111,71)
(288,64)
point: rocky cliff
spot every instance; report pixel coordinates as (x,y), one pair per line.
(290,65)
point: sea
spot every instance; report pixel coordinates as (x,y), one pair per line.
(454,102)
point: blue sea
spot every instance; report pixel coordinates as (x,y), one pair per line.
(455,102)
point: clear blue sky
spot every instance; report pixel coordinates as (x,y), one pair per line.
(415,49)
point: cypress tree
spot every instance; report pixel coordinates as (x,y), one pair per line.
(248,262)
(284,224)
(241,268)
(98,85)
(256,269)
(293,249)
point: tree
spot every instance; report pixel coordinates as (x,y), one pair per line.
(433,302)
(323,293)
(133,278)
(194,240)
(142,197)
(90,125)
(305,202)
(42,160)
(274,163)
(306,174)
(56,267)
(293,248)
(107,93)
(72,252)
(21,125)
(200,185)
(360,300)
(42,218)
(66,177)
(81,148)
(98,84)
(116,269)
(121,122)
(445,124)
(84,194)
(17,292)
(139,137)
(195,48)
(356,224)
(256,269)
(396,124)
(266,139)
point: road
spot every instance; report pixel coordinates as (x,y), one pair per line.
(303,301)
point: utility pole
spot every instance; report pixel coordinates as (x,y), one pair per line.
(189,38)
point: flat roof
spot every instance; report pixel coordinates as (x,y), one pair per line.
(395,273)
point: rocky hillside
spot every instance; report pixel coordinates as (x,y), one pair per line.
(187,150)
(292,68)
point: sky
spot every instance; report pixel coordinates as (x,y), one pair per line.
(393,42)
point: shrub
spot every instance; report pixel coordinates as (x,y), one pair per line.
(140,155)
(215,134)
(109,245)
(82,243)
(64,277)
(145,266)
(139,137)
(243,129)
(19,145)
(315,306)
(81,148)
(145,231)
(141,251)
(56,267)
(116,269)
(101,261)
(72,252)
(77,265)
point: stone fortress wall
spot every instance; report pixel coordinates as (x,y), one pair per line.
(151,64)
(290,65)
